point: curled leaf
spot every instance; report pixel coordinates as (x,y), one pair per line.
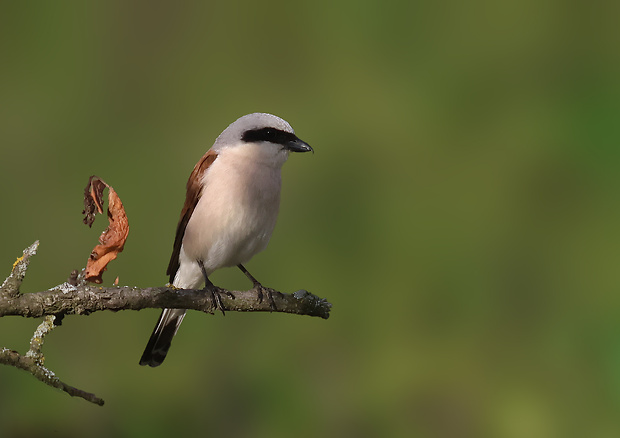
(112,240)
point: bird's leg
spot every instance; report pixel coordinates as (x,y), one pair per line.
(213,290)
(259,288)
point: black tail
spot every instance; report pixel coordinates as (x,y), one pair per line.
(159,343)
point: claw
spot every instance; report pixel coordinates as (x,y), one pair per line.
(266,291)
(217,300)
(216,296)
(260,289)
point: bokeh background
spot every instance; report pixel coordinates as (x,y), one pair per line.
(461,213)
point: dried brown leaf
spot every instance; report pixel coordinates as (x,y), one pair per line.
(112,240)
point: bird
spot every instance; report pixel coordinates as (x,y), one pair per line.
(230,211)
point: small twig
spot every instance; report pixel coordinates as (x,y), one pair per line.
(36,343)
(33,360)
(10,287)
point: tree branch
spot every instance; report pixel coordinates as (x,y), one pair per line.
(68,299)
(76,297)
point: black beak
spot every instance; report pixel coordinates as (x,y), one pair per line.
(297,145)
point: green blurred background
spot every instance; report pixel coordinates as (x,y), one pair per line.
(461,213)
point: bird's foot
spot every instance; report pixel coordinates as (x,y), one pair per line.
(261,291)
(216,296)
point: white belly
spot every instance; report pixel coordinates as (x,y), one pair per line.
(235,215)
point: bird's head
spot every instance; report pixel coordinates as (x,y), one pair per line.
(265,136)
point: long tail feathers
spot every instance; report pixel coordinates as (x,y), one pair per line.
(159,343)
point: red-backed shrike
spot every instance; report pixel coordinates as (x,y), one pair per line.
(230,211)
